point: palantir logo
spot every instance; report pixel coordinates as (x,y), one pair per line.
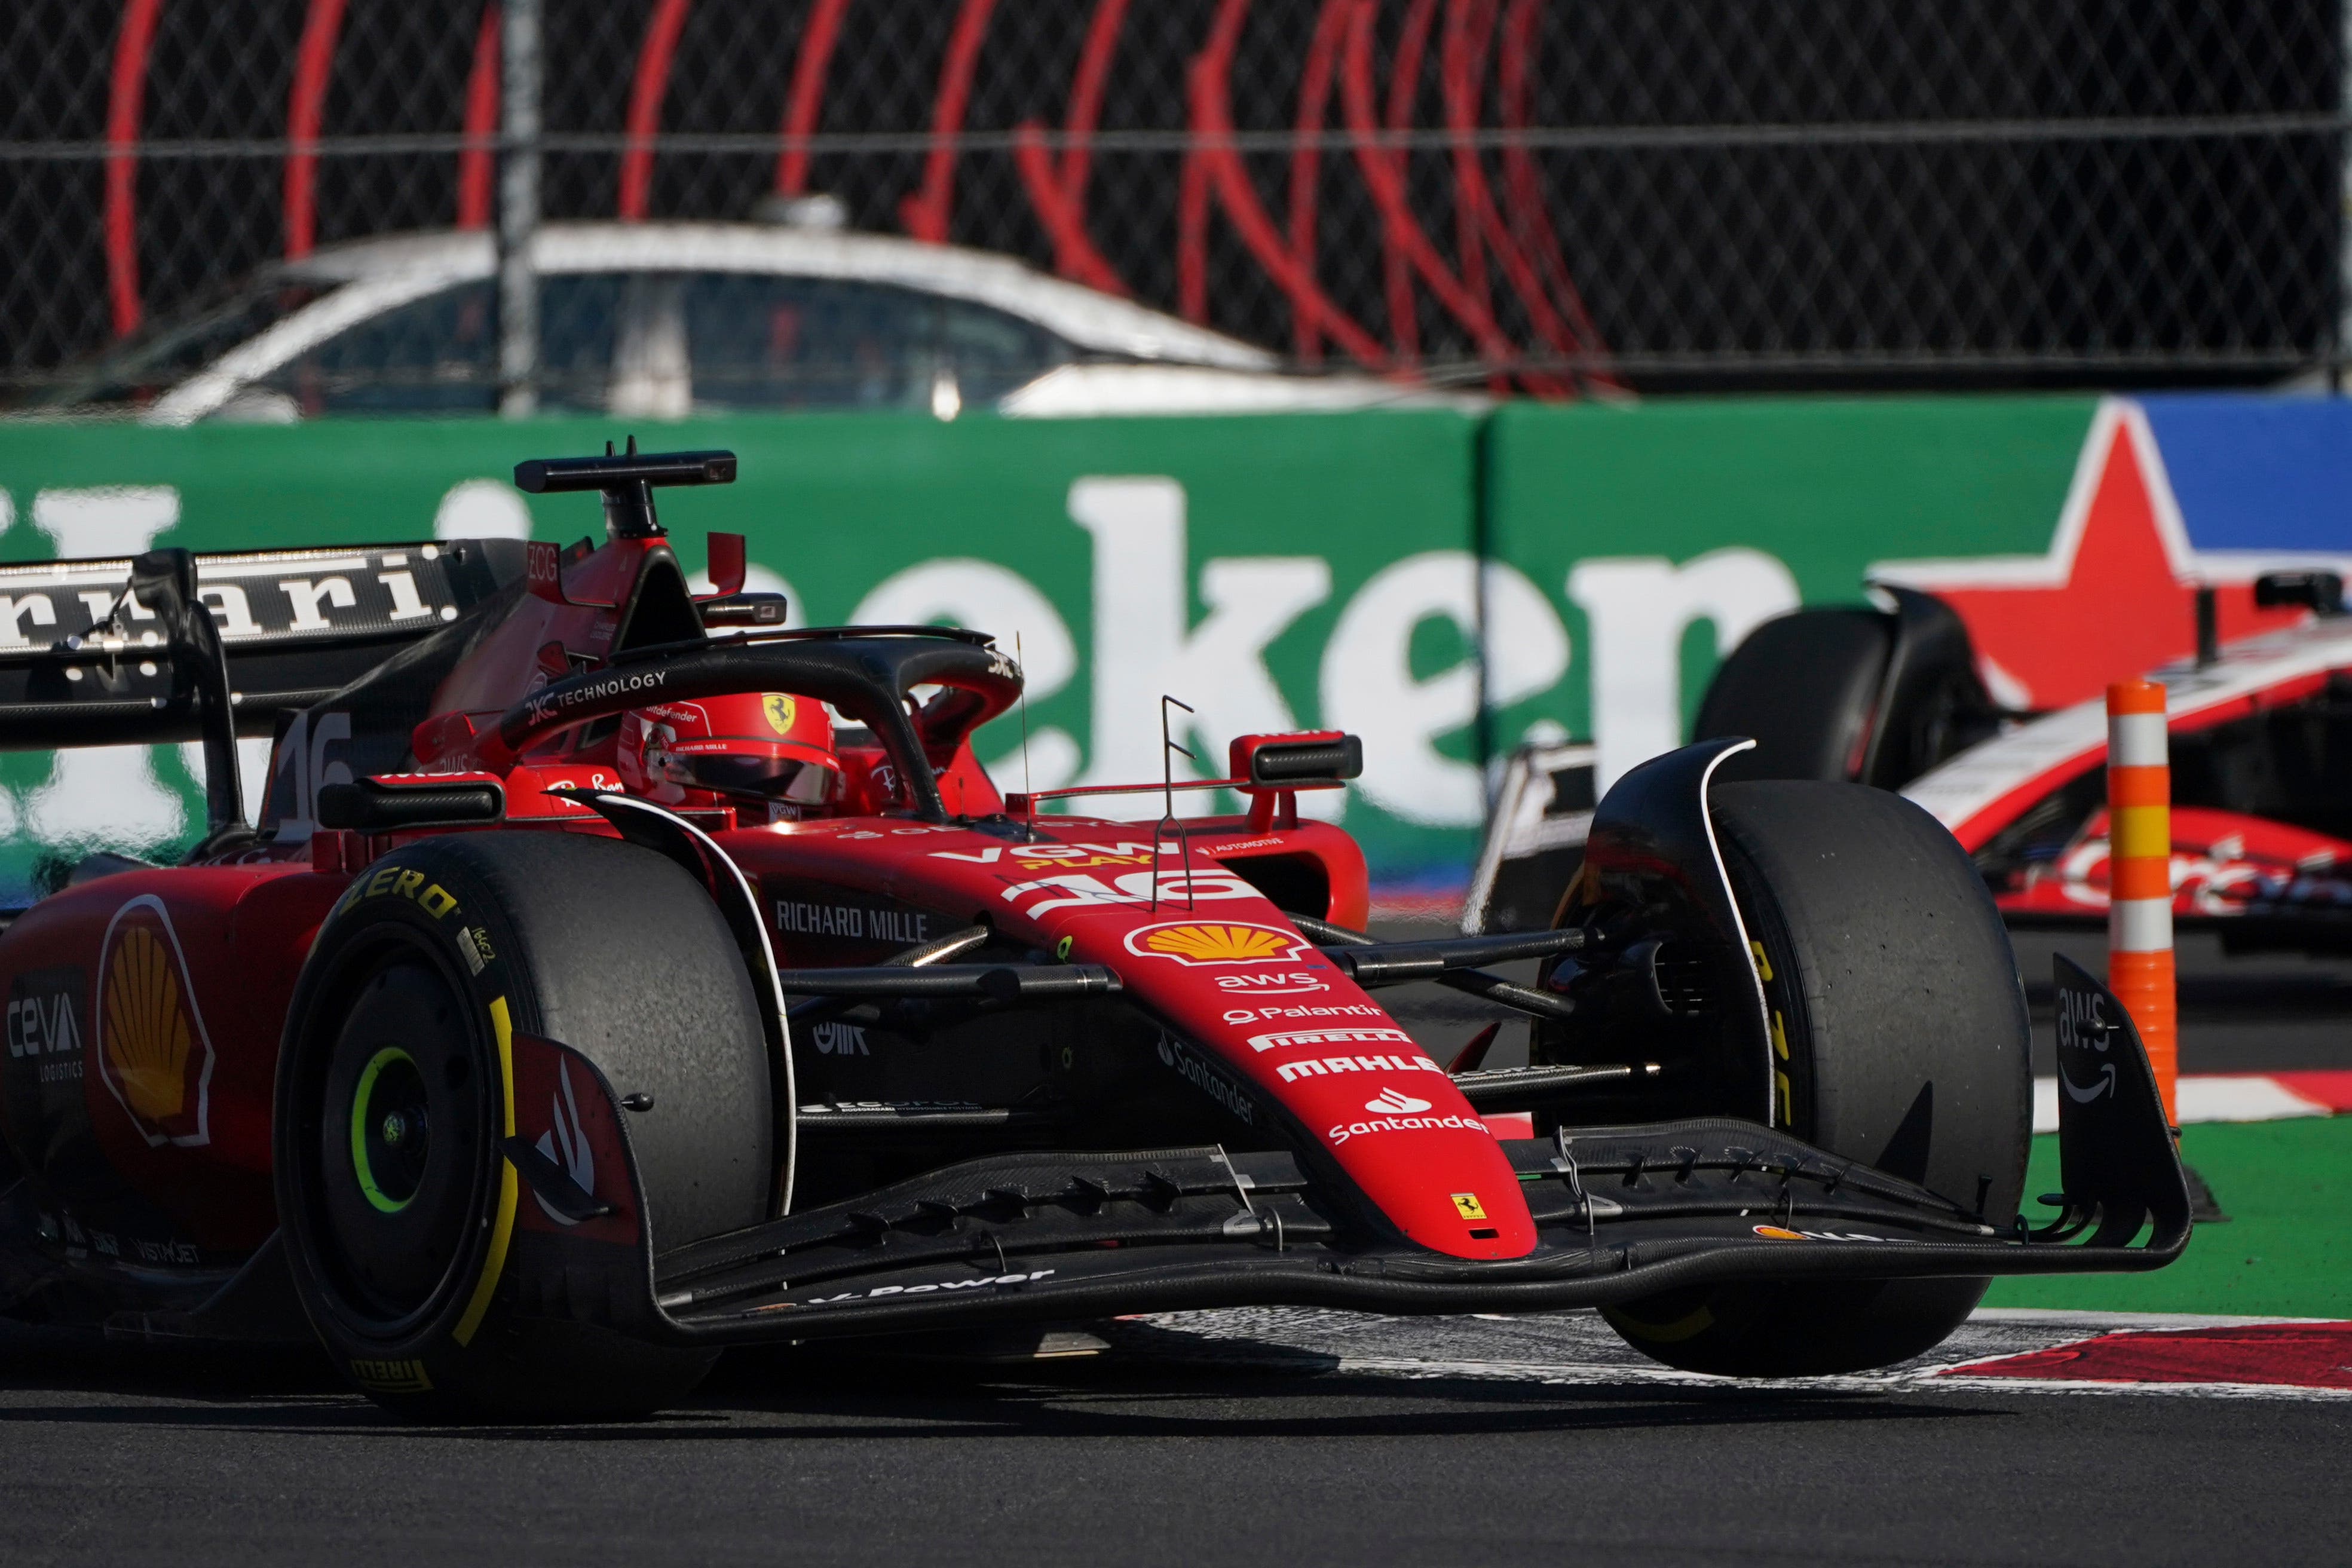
(1391,1102)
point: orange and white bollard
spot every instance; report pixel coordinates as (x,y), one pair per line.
(2139,874)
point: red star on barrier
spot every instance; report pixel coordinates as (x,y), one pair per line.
(2114,596)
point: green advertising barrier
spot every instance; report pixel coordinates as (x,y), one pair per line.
(1273,572)
(1661,534)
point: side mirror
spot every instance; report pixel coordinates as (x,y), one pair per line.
(372,805)
(744,610)
(2320,591)
(1313,759)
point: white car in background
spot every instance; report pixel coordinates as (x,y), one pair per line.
(666,320)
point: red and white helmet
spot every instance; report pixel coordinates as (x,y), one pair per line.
(763,743)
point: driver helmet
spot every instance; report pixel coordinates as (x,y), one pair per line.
(763,743)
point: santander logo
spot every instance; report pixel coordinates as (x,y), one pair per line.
(1390,1102)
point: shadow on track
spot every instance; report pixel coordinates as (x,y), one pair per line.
(815,1393)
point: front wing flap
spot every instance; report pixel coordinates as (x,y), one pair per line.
(1619,1212)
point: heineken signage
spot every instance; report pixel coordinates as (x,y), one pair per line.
(1281,572)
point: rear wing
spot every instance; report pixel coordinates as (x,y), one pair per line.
(1535,838)
(81,665)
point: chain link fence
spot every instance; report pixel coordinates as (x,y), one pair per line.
(1555,197)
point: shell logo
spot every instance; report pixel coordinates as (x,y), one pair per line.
(153,1051)
(1194,943)
(781,711)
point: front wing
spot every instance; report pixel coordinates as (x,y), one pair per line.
(1621,1212)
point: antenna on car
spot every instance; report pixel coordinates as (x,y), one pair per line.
(1025,789)
(627,480)
(1168,818)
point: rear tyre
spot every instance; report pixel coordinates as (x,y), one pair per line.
(1889,976)
(397,1212)
(1804,688)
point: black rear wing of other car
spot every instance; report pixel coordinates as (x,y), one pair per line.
(1535,836)
(85,662)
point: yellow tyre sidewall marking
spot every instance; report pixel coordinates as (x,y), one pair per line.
(1691,1325)
(502,1228)
(1784,1092)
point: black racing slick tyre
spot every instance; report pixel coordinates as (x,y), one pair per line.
(396,1088)
(1804,687)
(1900,1040)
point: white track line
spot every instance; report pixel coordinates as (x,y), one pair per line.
(1588,1354)
(2206,1097)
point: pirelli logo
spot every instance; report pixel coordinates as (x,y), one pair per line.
(392,1376)
(1290,1037)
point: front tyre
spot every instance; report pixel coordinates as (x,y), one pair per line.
(1900,1040)
(394,1092)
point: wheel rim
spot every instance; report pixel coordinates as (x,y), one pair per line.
(397,1151)
(392,1129)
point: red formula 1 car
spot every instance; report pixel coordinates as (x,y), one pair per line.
(587,1000)
(2261,759)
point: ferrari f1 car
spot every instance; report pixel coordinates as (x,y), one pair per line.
(588,998)
(2261,758)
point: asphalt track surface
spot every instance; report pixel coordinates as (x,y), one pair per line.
(1256,1436)
(1324,1439)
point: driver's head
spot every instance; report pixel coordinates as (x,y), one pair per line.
(756,743)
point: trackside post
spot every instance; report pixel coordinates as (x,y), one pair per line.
(2139,874)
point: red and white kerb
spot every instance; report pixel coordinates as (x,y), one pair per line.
(2139,913)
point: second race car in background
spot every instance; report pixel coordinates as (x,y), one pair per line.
(2261,758)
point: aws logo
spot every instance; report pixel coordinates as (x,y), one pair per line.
(153,1051)
(1195,943)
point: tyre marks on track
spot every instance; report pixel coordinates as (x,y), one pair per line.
(2011,1349)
